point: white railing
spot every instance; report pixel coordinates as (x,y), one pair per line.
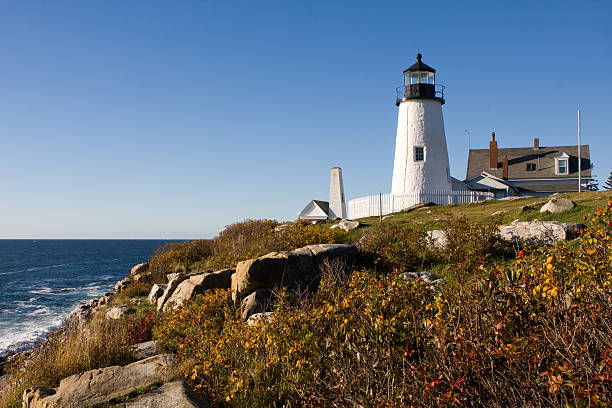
(371,206)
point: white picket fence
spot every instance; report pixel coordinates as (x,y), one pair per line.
(370,206)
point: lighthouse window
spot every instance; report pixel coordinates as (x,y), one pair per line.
(419,77)
(419,153)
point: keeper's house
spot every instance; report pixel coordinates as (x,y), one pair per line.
(527,171)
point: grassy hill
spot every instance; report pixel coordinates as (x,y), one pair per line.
(509,210)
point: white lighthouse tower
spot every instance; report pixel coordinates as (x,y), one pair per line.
(421,157)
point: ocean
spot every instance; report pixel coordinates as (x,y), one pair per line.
(42,281)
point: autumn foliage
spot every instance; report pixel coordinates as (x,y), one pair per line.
(532,331)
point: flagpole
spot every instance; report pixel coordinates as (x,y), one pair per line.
(579,156)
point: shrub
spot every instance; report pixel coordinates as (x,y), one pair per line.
(237,242)
(253,238)
(394,247)
(470,245)
(178,257)
(531,332)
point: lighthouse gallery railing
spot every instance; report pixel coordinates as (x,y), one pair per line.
(370,206)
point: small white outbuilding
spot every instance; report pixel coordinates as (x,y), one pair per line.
(334,208)
(315,211)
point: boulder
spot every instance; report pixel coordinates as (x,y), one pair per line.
(84,312)
(156,291)
(197,284)
(282,227)
(104,299)
(424,276)
(145,350)
(119,286)
(100,385)
(557,205)
(257,302)
(264,317)
(115,312)
(346,225)
(498,212)
(174,279)
(539,232)
(142,277)
(175,394)
(300,268)
(438,238)
(139,269)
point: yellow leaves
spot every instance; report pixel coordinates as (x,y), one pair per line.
(301,362)
(546,291)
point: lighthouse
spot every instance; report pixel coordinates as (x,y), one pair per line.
(421,156)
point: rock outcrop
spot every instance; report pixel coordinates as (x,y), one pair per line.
(300,268)
(523,232)
(174,279)
(139,269)
(122,284)
(157,290)
(115,312)
(346,225)
(539,232)
(265,317)
(424,276)
(257,302)
(282,227)
(101,385)
(197,284)
(174,394)
(145,350)
(437,238)
(557,205)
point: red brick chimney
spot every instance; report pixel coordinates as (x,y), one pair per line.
(536,143)
(493,152)
(505,168)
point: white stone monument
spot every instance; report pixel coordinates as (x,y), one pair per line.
(421,156)
(337,206)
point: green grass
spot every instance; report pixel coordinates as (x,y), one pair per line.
(435,217)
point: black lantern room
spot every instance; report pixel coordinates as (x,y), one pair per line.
(420,83)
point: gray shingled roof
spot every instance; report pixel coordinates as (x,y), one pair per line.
(518,158)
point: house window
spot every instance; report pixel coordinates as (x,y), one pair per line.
(531,166)
(419,153)
(562,166)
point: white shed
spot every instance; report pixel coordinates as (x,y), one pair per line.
(315,211)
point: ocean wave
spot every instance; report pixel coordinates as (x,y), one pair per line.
(40,311)
(25,336)
(86,289)
(36,268)
(9,273)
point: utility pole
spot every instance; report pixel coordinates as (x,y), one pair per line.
(579,156)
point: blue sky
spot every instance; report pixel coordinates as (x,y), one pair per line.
(134,119)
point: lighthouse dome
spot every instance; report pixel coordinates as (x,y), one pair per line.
(420,83)
(419,66)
